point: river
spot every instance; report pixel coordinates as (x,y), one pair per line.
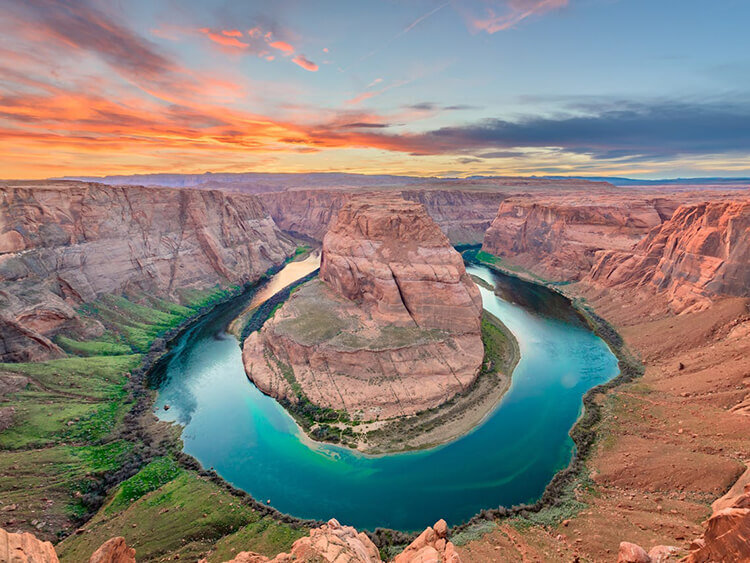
(251,441)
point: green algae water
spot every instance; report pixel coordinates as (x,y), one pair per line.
(250,440)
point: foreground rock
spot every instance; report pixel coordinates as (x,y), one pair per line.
(25,548)
(390,329)
(334,543)
(66,243)
(727,535)
(701,253)
(331,542)
(114,550)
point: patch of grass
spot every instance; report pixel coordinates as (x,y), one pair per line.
(267,536)
(473,532)
(105,457)
(185,516)
(98,347)
(154,475)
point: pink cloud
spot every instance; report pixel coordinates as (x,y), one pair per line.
(232,32)
(325,49)
(223,39)
(305,63)
(515,12)
(282,46)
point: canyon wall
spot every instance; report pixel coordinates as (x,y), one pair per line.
(703,251)
(391,328)
(557,237)
(66,243)
(462,214)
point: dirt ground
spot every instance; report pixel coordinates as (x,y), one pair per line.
(669,444)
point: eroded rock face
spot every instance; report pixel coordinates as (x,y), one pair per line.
(430,545)
(462,214)
(702,252)
(331,542)
(25,548)
(114,550)
(66,243)
(393,327)
(557,237)
(727,535)
(334,543)
(389,256)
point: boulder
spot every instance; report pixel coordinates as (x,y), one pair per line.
(114,550)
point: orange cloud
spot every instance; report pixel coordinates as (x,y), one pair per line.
(232,32)
(305,63)
(515,12)
(224,40)
(282,46)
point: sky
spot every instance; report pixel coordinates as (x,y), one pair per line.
(639,88)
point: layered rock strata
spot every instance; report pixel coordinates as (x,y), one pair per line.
(558,237)
(392,327)
(63,244)
(701,253)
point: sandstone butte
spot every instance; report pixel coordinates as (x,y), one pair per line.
(330,543)
(66,243)
(391,328)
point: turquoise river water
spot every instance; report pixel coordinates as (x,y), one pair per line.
(251,441)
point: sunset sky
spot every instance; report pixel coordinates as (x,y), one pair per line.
(641,88)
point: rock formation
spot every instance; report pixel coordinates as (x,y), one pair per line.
(114,550)
(66,243)
(334,543)
(25,548)
(702,252)
(391,328)
(557,237)
(633,553)
(331,542)
(727,535)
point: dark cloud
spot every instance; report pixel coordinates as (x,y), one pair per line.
(605,131)
(430,106)
(501,154)
(74,24)
(363,125)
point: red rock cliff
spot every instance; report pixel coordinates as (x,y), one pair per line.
(702,252)
(557,237)
(66,243)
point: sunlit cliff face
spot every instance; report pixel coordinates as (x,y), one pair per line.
(423,88)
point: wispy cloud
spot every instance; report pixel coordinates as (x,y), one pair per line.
(511,13)
(305,63)
(374,82)
(405,30)
(282,46)
(225,38)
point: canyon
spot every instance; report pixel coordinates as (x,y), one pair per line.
(668,268)
(392,327)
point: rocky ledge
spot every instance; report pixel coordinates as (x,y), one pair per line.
(391,328)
